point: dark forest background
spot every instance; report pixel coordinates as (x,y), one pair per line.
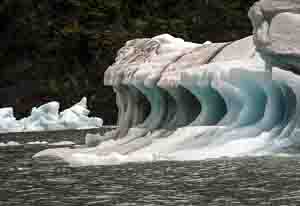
(59,49)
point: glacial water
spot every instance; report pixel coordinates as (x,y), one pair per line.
(225,181)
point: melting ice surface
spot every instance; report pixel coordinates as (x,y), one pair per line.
(183,101)
(48,117)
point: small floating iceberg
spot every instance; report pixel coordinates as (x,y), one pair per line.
(45,117)
(48,118)
(8,122)
(76,117)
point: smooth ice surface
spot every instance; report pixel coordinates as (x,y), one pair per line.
(47,117)
(37,142)
(10,143)
(62,143)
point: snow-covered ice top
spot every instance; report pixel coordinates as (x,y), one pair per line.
(47,117)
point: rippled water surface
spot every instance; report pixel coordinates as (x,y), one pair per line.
(243,181)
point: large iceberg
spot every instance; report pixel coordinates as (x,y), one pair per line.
(179,100)
(47,118)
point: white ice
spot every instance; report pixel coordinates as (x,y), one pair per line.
(47,118)
(246,110)
(10,143)
(37,143)
(8,122)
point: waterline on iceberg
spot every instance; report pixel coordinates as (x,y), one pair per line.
(203,110)
(208,100)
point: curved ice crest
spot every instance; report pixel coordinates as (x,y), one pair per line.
(179,100)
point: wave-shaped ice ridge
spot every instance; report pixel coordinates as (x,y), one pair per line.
(183,101)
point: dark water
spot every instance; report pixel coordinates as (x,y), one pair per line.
(76,136)
(243,181)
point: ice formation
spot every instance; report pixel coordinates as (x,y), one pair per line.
(9,144)
(47,117)
(13,143)
(8,122)
(179,100)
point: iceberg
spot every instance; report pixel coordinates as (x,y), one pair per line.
(76,117)
(8,122)
(42,118)
(180,100)
(48,118)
